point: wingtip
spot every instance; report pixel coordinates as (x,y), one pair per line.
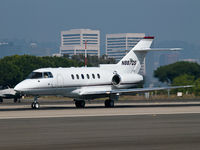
(176,49)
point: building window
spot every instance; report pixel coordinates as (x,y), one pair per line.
(71,40)
(71,43)
(82,76)
(72,76)
(85,37)
(117,44)
(71,35)
(122,38)
(88,76)
(89,43)
(77,76)
(98,75)
(93,76)
(90,34)
(135,38)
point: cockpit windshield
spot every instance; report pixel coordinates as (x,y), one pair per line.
(35,75)
(48,75)
(40,75)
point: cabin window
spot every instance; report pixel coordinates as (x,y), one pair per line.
(82,76)
(98,75)
(77,76)
(93,76)
(72,76)
(88,76)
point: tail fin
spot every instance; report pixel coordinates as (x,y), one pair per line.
(135,59)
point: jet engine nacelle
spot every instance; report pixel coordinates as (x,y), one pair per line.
(131,78)
(116,79)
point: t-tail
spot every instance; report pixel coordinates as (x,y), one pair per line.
(133,61)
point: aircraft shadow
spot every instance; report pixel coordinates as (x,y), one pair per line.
(98,107)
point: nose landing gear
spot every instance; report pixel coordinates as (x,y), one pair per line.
(35,104)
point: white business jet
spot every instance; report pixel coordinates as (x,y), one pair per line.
(87,83)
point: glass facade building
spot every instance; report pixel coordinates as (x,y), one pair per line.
(73,42)
(118,45)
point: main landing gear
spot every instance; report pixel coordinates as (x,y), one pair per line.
(1,100)
(35,104)
(15,100)
(79,103)
(109,103)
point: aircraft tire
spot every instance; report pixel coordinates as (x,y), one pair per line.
(35,105)
(80,104)
(109,103)
(15,100)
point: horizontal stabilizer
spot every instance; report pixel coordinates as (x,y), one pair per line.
(158,49)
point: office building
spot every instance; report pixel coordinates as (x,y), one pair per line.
(191,60)
(170,58)
(118,45)
(75,41)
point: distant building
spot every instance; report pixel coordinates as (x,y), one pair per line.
(56,55)
(33,44)
(191,60)
(4,43)
(73,42)
(166,59)
(119,44)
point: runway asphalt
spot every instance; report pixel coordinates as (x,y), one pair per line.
(127,126)
(152,132)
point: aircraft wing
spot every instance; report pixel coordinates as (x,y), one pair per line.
(158,49)
(135,90)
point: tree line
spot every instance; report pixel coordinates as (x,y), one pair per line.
(14,69)
(180,73)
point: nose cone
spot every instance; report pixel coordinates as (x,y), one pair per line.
(25,87)
(19,87)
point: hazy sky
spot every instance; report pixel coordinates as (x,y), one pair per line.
(42,20)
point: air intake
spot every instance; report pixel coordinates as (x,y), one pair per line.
(116,79)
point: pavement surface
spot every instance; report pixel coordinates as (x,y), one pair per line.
(128,126)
